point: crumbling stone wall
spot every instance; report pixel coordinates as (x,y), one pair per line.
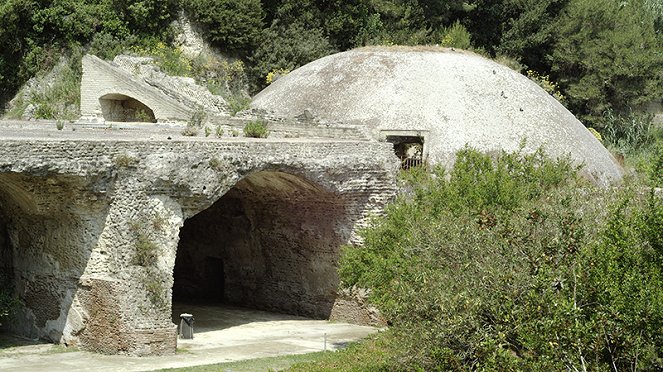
(95,225)
(49,227)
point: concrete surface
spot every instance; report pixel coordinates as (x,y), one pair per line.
(450,98)
(221,334)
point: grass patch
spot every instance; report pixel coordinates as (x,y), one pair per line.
(60,98)
(263,364)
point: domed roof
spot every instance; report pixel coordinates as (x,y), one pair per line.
(454,98)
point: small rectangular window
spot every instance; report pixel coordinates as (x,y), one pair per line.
(409,149)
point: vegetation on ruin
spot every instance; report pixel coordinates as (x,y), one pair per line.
(602,56)
(146,255)
(256,129)
(512,264)
(125,160)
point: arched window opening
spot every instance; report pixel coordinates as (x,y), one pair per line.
(121,108)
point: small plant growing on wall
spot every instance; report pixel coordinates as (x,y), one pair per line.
(198,118)
(146,251)
(155,289)
(256,129)
(216,164)
(219,131)
(190,131)
(195,123)
(125,160)
(146,255)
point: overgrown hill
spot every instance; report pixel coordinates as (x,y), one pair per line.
(602,56)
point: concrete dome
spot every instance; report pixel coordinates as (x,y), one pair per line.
(450,98)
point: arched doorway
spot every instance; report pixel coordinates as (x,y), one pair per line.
(271,243)
(121,108)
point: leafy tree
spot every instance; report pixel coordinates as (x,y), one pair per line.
(232,25)
(286,47)
(529,32)
(15,26)
(607,56)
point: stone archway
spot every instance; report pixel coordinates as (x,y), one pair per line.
(122,108)
(44,251)
(271,243)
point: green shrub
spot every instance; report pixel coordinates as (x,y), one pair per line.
(628,132)
(196,122)
(232,25)
(514,264)
(256,129)
(218,132)
(237,103)
(456,36)
(146,251)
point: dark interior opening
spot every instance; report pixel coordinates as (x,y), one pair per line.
(6,264)
(121,108)
(270,243)
(409,150)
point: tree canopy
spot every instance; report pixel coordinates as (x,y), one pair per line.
(605,55)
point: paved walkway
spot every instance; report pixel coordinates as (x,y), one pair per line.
(222,334)
(47,130)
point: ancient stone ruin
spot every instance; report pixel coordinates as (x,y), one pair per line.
(105,224)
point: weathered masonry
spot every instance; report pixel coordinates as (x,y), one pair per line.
(102,229)
(100,236)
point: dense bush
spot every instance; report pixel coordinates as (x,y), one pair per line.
(516,264)
(256,129)
(285,47)
(232,25)
(607,56)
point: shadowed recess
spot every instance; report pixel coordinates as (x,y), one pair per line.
(271,242)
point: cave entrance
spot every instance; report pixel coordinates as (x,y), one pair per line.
(121,108)
(270,243)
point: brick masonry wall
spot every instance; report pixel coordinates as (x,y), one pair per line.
(100,201)
(101,78)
